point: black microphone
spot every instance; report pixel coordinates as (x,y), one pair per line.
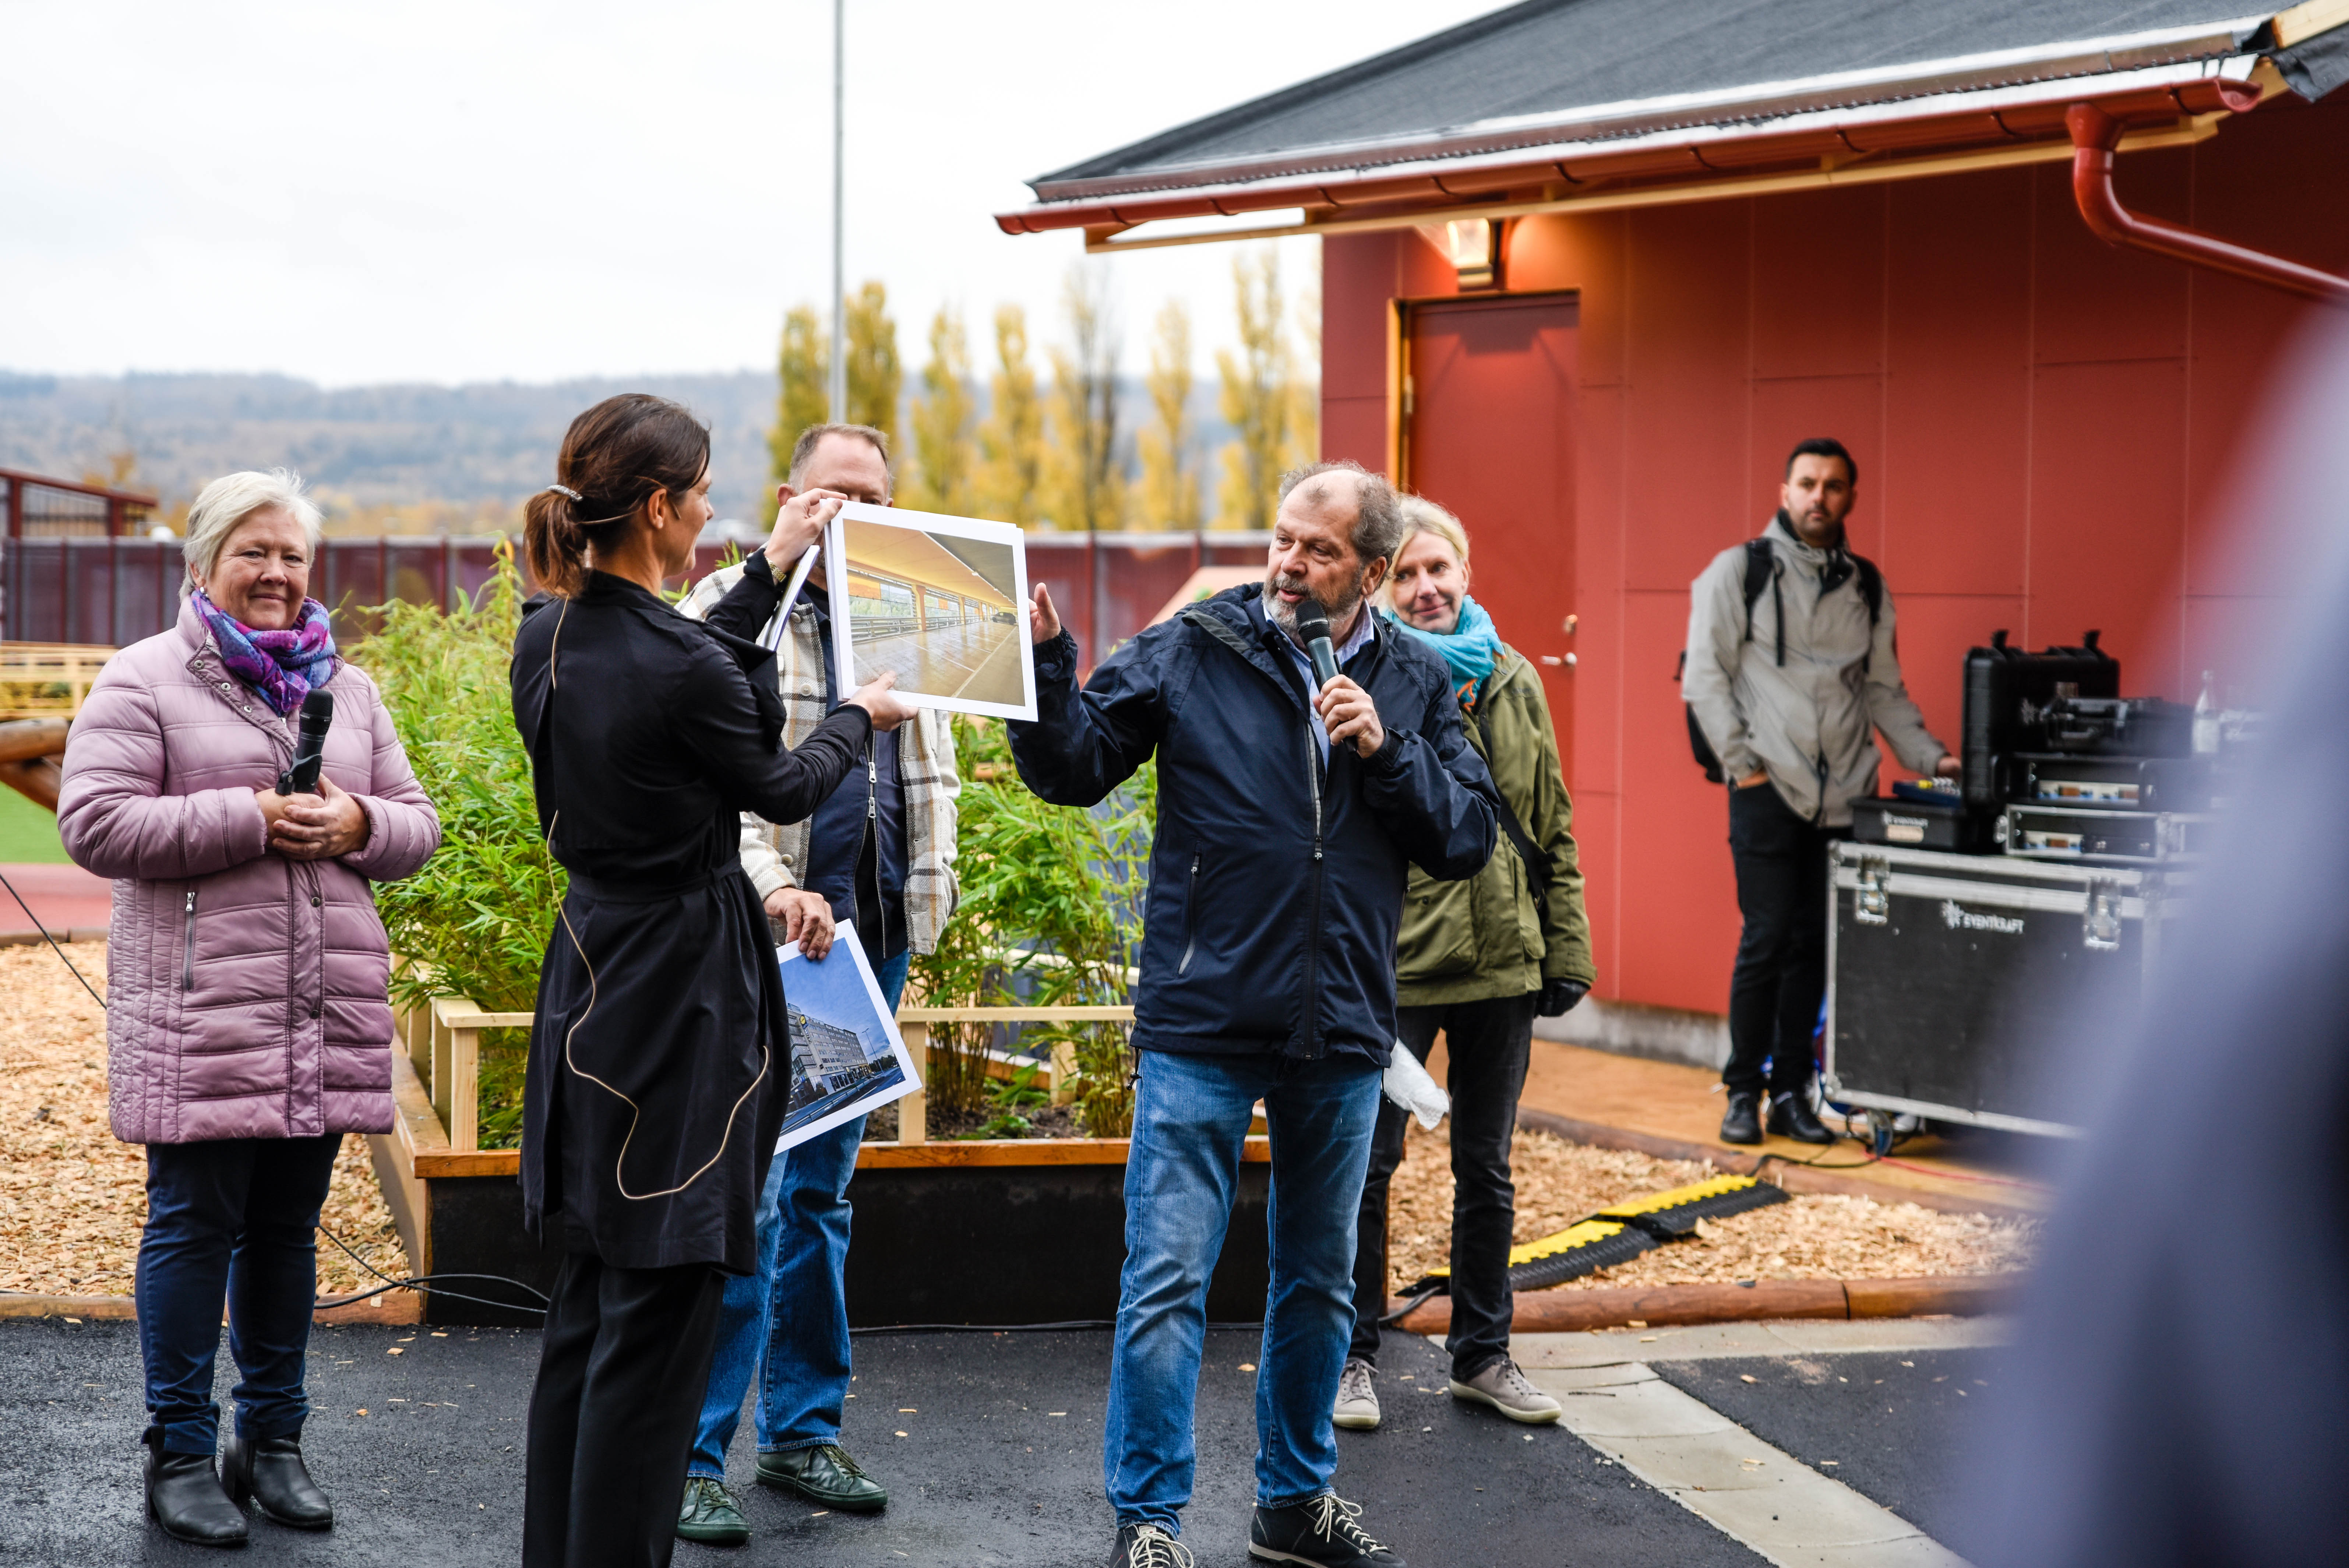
(310,746)
(1313,626)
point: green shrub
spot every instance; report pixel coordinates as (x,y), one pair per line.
(1049,895)
(473,921)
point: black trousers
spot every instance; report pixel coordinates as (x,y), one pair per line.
(1486,1044)
(1782,953)
(621,1370)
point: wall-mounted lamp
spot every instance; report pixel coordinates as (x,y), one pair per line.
(1473,246)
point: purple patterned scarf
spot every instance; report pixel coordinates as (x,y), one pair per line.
(282,666)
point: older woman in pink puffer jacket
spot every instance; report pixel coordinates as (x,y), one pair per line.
(248,1027)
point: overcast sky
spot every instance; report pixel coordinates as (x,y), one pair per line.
(512,189)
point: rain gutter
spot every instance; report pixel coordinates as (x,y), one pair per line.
(2095,136)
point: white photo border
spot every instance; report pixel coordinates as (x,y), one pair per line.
(843,633)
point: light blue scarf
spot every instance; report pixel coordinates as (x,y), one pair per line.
(1469,651)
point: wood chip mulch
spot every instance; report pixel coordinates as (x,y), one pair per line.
(1813,1236)
(72,1198)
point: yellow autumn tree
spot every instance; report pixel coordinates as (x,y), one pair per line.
(1260,398)
(1011,442)
(945,457)
(803,365)
(1084,485)
(876,378)
(1169,492)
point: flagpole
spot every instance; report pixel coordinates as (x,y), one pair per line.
(836,383)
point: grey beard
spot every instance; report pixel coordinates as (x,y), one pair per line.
(1281,616)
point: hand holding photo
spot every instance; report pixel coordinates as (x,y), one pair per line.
(940,602)
(847,1057)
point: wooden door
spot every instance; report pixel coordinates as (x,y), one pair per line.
(1487,433)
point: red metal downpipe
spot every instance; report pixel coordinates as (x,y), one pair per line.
(2094,135)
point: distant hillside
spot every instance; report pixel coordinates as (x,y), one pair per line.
(491,443)
(482,447)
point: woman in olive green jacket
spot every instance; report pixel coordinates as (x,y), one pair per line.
(1477,960)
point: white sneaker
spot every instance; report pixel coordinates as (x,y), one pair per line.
(1506,1389)
(1357,1409)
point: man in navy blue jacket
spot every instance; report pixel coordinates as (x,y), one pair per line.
(1287,818)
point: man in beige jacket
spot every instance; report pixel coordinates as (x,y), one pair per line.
(881,852)
(1789,690)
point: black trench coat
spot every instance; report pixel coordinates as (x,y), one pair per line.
(659,1059)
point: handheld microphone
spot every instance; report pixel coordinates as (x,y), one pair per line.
(309,746)
(1313,626)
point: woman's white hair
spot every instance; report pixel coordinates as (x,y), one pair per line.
(229,501)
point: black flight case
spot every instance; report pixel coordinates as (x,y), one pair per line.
(1947,975)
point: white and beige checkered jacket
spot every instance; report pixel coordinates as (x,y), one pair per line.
(774,855)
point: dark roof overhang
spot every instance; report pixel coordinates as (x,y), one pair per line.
(1858,127)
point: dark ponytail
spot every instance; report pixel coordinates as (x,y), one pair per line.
(615,457)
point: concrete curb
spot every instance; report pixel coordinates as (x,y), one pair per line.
(1770,1168)
(1571,1311)
(394,1308)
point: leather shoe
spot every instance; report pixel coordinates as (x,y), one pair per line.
(1742,1122)
(184,1495)
(823,1474)
(1791,1117)
(710,1515)
(270,1471)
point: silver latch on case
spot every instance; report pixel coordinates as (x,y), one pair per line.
(1872,905)
(2100,921)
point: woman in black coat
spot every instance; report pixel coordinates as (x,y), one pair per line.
(659,1056)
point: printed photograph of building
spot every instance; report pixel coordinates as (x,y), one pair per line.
(832,1066)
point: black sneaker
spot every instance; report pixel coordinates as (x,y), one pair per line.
(1148,1546)
(1324,1531)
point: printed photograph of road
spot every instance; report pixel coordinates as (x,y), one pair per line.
(940,609)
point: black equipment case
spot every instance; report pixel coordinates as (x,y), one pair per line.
(1927,824)
(2002,685)
(1947,973)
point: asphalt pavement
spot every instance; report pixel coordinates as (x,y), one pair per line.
(1890,1426)
(989,1443)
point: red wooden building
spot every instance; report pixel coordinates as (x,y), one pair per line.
(1590,267)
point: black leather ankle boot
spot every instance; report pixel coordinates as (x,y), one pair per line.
(1791,1117)
(1742,1122)
(184,1495)
(270,1471)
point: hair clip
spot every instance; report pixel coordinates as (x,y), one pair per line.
(566,490)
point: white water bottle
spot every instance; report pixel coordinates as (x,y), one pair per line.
(2206,720)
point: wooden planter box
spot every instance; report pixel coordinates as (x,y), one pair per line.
(1021,1231)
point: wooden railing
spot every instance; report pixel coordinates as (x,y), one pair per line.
(444,1043)
(28,668)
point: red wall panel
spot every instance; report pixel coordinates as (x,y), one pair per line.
(1685,438)
(1599,574)
(1678,900)
(1953,482)
(2107,508)
(2090,302)
(2044,426)
(1818,283)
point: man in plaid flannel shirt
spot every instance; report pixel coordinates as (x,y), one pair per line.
(880,851)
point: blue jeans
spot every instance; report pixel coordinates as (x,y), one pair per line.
(235,1218)
(1190,1115)
(796,1305)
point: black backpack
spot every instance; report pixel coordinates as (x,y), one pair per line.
(1761,572)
